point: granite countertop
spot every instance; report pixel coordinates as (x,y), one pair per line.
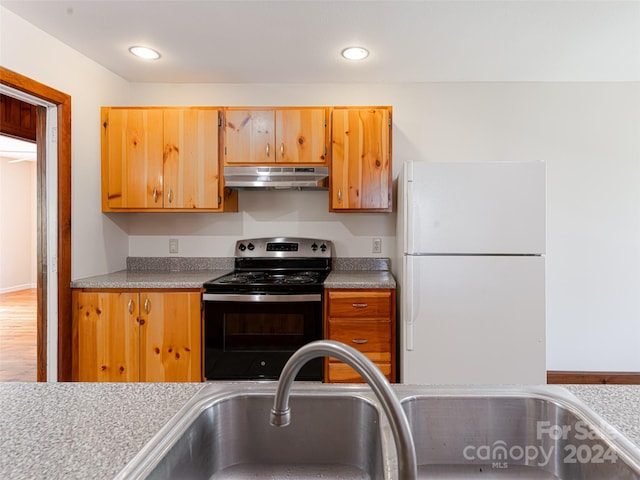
(92,430)
(187,272)
(360,279)
(150,279)
(81,430)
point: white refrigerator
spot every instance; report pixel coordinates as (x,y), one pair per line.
(471,272)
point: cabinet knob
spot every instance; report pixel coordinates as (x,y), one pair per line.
(147,306)
(282,150)
(339,195)
(360,341)
(155,195)
(268,149)
(170,195)
(359,305)
(130,306)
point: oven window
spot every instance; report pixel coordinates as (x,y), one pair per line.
(263,331)
(254,340)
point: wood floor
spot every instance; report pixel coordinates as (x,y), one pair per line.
(18,337)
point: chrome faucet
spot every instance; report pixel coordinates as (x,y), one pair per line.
(281,414)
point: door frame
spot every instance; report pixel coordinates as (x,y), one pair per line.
(63,139)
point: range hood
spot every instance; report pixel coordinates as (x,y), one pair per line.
(276,178)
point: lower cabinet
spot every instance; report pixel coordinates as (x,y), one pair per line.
(137,335)
(364,319)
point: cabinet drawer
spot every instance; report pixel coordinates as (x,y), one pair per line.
(363,336)
(360,304)
(343,373)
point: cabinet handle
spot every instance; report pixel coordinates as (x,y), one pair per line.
(339,195)
(359,305)
(360,341)
(170,195)
(147,306)
(130,305)
(155,195)
(268,150)
(282,150)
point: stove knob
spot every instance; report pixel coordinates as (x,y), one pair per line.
(251,246)
(314,246)
(323,247)
(241,247)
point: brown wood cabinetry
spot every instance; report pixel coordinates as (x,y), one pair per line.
(364,319)
(276,136)
(137,335)
(162,159)
(17,118)
(360,173)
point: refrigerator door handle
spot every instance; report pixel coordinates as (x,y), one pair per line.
(407,218)
(408,302)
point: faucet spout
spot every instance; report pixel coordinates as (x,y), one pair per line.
(281,414)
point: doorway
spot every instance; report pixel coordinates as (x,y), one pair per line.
(53,278)
(18,243)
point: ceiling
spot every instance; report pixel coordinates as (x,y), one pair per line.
(241,41)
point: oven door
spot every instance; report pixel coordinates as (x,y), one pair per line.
(251,336)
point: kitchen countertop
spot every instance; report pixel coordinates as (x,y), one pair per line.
(177,272)
(150,279)
(92,430)
(360,279)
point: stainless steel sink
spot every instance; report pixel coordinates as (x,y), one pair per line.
(337,431)
(543,433)
(226,435)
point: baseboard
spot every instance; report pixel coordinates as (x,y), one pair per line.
(613,378)
(17,288)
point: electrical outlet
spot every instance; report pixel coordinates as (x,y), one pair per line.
(376,245)
(173,245)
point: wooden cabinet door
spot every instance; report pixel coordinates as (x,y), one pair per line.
(300,135)
(170,337)
(361,160)
(132,169)
(249,137)
(107,336)
(191,171)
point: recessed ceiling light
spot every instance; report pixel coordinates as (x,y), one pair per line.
(355,53)
(144,52)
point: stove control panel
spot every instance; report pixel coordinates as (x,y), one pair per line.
(284,247)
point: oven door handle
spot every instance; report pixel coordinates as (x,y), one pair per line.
(248,297)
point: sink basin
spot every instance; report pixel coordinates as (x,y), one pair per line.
(228,436)
(338,431)
(514,433)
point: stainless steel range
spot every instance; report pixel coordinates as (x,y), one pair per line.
(271,305)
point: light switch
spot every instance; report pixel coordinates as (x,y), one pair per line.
(173,245)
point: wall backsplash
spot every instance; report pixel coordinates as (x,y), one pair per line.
(262,214)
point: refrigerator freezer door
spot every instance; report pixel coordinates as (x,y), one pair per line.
(473,320)
(474,208)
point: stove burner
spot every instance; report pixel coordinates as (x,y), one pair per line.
(244,277)
(262,278)
(306,277)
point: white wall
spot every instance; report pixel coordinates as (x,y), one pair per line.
(18,234)
(98,244)
(587,133)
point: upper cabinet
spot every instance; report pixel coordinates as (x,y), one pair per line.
(360,173)
(276,136)
(162,159)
